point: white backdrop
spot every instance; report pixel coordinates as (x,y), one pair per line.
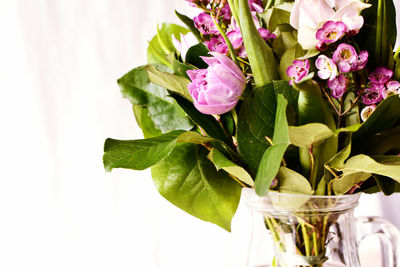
(59,61)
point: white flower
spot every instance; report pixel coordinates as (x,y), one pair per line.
(367,111)
(309,15)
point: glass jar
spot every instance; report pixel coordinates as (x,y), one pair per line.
(316,231)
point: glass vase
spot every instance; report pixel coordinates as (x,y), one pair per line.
(315,231)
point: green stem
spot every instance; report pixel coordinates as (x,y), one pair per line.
(305,237)
(227,41)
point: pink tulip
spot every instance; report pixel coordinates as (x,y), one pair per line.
(216,90)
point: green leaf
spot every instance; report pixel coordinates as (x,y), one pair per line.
(194,54)
(272,158)
(165,114)
(361,167)
(144,121)
(385,117)
(257,118)
(221,162)
(161,45)
(292,182)
(384,142)
(181,68)
(309,134)
(283,42)
(385,184)
(190,24)
(138,154)
(175,83)
(207,122)
(190,181)
(278,16)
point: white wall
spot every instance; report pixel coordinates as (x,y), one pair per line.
(59,61)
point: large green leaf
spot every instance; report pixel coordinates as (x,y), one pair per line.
(272,158)
(175,83)
(385,117)
(384,142)
(221,162)
(144,121)
(257,118)
(359,168)
(161,46)
(292,182)
(207,122)
(191,182)
(138,154)
(165,114)
(194,54)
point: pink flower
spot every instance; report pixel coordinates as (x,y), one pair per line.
(205,24)
(327,68)
(373,94)
(392,88)
(338,86)
(367,111)
(331,32)
(298,70)
(380,76)
(235,37)
(361,61)
(226,13)
(217,44)
(266,34)
(345,56)
(216,90)
(308,16)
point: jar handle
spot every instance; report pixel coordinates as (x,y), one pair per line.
(388,234)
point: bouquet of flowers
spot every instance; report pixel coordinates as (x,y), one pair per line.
(300,97)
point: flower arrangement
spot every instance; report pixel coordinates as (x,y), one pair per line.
(300,97)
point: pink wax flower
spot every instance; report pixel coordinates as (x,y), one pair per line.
(266,34)
(256,5)
(298,70)
(367,111)
(327,68)
(225,13)
(205,24)
(331,32)
(345,56)
(198,2)
(216,90)
(392,88)
(380,76)
(235,37)
(338,86)
(373,94)
(217,44)
(361,61)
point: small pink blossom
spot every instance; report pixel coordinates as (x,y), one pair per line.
(205,24)
(338,86)
(331,32)
(373,94)
(266,34)
(392,88)
(380,76)
(217,44)
(345,56)
(367,111)
(225,13)
(298,70)
(327,68)
(361,61)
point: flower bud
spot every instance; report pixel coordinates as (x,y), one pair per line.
(216,90)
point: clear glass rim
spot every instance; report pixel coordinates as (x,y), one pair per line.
(283,202)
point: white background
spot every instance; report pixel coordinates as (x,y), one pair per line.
(59,61)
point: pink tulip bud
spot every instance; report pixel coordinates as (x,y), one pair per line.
(216,90)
